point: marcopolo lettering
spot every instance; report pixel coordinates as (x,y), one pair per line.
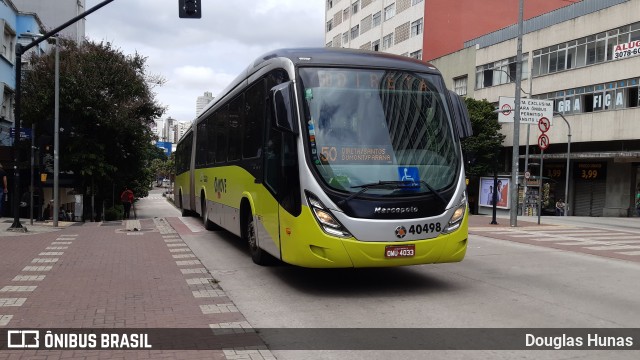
(395,210)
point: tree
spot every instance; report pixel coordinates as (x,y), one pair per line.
(483,147)
(106,106)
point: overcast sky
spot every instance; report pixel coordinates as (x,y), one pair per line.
(198,55)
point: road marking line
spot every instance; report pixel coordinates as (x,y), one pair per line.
(45,260)
(173,240)
(194,271)
(29,278)
(188,262)
(56,248)
(4,319)
(199,281)
(51,253)
(183,256)
(180,250)
(6,302)
(632,253)
(37,268)
(253,352)
(13,288)
(218,309)
(614,247)
(230,328)
(208,293)
(61,243)
(176,245)
(615,238)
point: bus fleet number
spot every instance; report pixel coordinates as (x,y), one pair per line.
(426,228)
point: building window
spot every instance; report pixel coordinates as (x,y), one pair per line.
(375,19)
(415,2)
(345,14)
(589,50)
(329,4)
(416,27)
(387,41)
(389,11)
(375,46)
(329,25)
(345,38)
(500,72)
(355,31)
(329,44)
(416,54)
(355,7)
(622,94)
(460,85)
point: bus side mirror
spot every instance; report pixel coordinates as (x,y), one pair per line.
(461,116)
(283,105)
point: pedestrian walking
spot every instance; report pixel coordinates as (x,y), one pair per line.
(127,199)
(3,182)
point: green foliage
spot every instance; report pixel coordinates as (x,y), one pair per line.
(106,107)
(482,149)
(114,213)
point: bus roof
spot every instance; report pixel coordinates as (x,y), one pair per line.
(344,57)
(324,56)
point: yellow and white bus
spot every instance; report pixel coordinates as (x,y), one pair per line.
(332,158)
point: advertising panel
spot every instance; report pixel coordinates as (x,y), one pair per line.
(486,192)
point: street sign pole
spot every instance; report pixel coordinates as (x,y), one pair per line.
(540,186)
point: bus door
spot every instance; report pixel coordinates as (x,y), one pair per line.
(269,232)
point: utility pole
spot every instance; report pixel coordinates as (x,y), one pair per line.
(513,215)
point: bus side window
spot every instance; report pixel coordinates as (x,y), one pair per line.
(254,120)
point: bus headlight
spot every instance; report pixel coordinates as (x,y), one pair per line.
(325,219)
(458,215)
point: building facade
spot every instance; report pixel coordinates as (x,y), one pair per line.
(585,59)
(202,102)
(424,29)
(17,27)
(56,13)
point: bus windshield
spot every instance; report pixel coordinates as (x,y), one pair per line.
(388,131)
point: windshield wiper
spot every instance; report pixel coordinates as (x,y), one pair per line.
(380,184)
(393,185)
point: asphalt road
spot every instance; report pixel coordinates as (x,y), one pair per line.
(500,284)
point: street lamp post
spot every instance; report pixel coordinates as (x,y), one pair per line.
(56,140)
(566,180)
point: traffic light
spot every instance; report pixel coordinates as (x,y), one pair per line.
(190,9)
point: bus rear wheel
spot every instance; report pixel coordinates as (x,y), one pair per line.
(257,254)
(208,224)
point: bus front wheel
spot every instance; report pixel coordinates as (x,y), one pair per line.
(257,255)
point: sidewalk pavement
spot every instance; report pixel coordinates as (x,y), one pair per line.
(578,221)
(38,227)
(113,276)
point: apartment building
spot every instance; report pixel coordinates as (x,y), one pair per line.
(424,29)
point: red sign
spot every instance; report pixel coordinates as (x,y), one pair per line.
(543,141)
(544,124)
(506,109)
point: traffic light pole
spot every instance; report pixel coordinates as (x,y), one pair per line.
(21,49)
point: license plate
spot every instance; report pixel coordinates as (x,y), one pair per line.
(399,251)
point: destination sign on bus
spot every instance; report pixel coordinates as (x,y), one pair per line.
(368,80)
(340,154)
